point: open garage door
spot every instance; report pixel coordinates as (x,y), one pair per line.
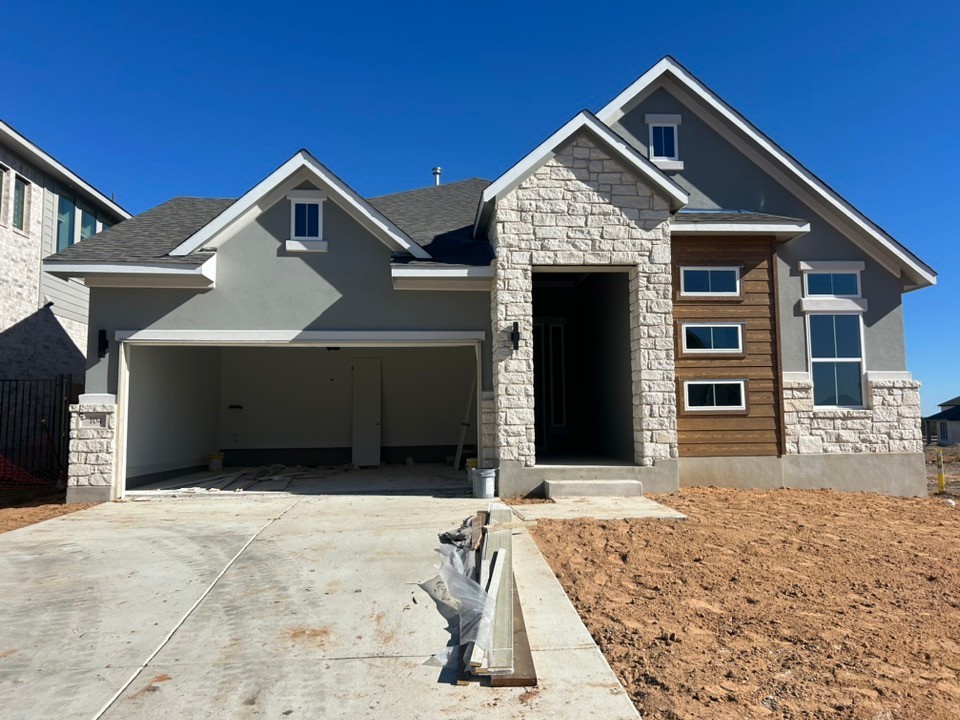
(292,405)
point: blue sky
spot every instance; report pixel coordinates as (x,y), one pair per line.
(150,100)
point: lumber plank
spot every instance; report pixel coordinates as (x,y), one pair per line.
(524,672)
(478,655)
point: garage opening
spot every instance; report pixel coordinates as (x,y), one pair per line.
(582,374)
(304,407)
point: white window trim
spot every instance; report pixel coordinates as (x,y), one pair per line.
(684,293)
(862,360)
(806,283)
(25,230)
(715,408)
(711,351)
(306,243)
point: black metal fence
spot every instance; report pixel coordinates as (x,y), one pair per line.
(34,433)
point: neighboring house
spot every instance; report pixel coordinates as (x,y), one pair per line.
(44,207)
(944,426)
(655,293)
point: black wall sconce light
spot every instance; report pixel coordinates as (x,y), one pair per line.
(515,336)
(102,344)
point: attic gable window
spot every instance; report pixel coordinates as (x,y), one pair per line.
(306,221)
(664,142)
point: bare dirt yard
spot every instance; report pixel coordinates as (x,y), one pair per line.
(951,469)
(18,512)
(773,604)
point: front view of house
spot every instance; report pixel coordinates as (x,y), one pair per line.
(656,295)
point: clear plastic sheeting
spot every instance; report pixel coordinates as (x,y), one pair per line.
(475,608)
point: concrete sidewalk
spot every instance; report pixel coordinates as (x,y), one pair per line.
(278,606)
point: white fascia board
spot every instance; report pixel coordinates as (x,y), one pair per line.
(26,149)
(780,230)
(320,338)
(584,120)
(472,279)
(249,206)
(152,275)
(406,271)
(615,109)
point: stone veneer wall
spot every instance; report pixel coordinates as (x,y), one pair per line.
(584,208)
(488,440)
(889,424)
(93,430)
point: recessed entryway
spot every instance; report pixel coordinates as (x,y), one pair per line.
(582,368)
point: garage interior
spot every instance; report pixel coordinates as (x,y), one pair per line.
(582,374)
(304,408)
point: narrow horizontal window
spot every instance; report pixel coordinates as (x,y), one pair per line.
(836,360)
(713,338)
(833,284)
(705,395)
(709,281)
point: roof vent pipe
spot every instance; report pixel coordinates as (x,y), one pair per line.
(436,175)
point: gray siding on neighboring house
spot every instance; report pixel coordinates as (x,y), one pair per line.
(717,175)
(70,298)
(260,286)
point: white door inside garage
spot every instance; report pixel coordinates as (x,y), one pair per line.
(304,405)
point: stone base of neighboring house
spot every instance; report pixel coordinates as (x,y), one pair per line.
(901,474)
(92,449)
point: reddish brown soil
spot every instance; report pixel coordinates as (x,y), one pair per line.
(15,515)
(773,604)
(520,500)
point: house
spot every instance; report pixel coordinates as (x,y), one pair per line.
(656,295)
(44,207)
(944,425)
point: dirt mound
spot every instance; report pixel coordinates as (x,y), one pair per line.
(773,604)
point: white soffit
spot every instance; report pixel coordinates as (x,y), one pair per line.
(302,166)
(584,120)
(920,273)
(407,277)
(781,231)
(143,275)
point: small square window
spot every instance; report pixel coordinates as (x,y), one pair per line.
(663,142)
(707,281)
(714,395)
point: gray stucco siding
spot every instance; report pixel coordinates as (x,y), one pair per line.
(260,286)
(717,175)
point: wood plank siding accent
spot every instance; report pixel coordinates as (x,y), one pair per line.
(758,429)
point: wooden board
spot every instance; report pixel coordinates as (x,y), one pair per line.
(524,673)
(501,649)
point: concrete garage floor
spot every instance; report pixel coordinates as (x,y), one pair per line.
(265,606)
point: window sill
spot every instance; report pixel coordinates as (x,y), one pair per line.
(833,304)
(306,246)
(668,164)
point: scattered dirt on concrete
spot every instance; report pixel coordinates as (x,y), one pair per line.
(773,604)
(316,636)
(151,686)
(520,500)
(20,513)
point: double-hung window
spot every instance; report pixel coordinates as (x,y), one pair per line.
(664,141)
(836,360)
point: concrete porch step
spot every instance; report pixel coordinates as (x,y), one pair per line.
(592,488)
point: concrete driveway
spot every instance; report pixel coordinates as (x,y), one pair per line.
(273,607)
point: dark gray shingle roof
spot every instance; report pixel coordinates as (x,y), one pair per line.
(951,413)
(440,218)
(733,216)
(150,236)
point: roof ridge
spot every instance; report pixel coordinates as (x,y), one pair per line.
(430,187)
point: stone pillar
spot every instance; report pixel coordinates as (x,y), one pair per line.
(93,427)
(488,439)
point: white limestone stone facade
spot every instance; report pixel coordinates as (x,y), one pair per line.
(488,414)
(93,429)
(889,424)
(584,208)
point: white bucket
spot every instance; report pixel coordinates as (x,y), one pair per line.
(484,482)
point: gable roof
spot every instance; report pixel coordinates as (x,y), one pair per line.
(582,121)
(950,414)
(440,219)
(953,402)
(45,162)
(919,274)
(302,166)
(148,237)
